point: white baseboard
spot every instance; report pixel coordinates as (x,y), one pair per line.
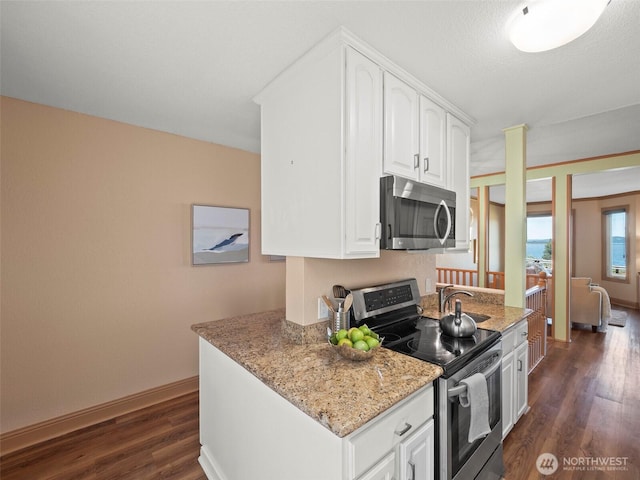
(55,427)
(208,465)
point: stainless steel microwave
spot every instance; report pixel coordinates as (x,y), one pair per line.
(416,216)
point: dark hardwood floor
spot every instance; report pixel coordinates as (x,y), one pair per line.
(584,398)
(158,442)
(585,407)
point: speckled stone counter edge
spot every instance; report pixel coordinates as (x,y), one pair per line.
(296,333)
(314,377)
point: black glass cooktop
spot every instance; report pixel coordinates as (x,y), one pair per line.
(421,337)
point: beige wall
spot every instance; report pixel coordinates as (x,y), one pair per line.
(98,293)
(587,242)
(309,278)
(496,237)
(588,245)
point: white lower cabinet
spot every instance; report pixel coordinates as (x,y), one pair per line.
(416,455)
(277,440)
(521,373)
(404,433)
(515,353)
(385,469)
(413,460)
(507,393)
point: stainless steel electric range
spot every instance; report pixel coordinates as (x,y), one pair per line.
(393,311)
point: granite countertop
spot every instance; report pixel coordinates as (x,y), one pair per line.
(340,394)
(501,319)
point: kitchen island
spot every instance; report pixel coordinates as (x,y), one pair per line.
(273,406)
(270,406)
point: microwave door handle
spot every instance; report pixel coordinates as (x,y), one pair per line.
(435,222)
(458,389)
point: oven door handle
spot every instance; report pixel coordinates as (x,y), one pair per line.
(461,388)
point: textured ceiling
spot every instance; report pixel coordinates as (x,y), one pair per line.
(192,68)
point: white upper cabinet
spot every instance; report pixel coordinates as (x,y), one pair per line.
(321,156)
(458,147)
(401,129)
(363,155)
(433,120)
(414,134)
(330,128)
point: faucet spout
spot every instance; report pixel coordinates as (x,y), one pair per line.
(447,299)
(441,297)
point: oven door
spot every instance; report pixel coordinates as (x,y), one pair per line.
(458,458)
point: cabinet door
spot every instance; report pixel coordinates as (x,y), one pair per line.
(521,375)
(383,470)
(416,455)
(401,154)
(507,394)
(363,147)
(432,143)
(458,146)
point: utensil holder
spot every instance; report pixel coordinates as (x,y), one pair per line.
(341,320)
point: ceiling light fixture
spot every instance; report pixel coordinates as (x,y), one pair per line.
(543,25)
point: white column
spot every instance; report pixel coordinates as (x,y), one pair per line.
(561,255)
(483,232)
(515,215)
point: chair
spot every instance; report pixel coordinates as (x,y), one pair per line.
(586,303)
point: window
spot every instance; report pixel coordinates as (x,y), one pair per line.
(615,244)
(539,243)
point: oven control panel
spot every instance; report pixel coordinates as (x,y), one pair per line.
(387,297)
(374,301)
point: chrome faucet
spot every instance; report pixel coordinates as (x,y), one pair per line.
(447,299)
(441,297)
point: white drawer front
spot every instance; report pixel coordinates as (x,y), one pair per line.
(383,433)
(508,341)
(522,330)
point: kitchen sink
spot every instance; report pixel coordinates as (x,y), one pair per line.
(478,317)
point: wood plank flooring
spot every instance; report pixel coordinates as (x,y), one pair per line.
(584,398)
(585,407)
(158,442)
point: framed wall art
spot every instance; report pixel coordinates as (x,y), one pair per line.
(219,235)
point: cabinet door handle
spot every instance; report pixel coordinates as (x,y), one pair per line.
(519,365)
(525,334)
(413,470)
(405,429)
(416,160)
(425,162)
(378,231)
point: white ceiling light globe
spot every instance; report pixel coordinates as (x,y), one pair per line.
(541,25)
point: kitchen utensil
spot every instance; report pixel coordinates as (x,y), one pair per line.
(339,291)
(348,301)
(458,324)
(341,320)
(326,300)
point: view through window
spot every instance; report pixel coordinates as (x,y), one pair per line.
(539,243)
(615,252)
